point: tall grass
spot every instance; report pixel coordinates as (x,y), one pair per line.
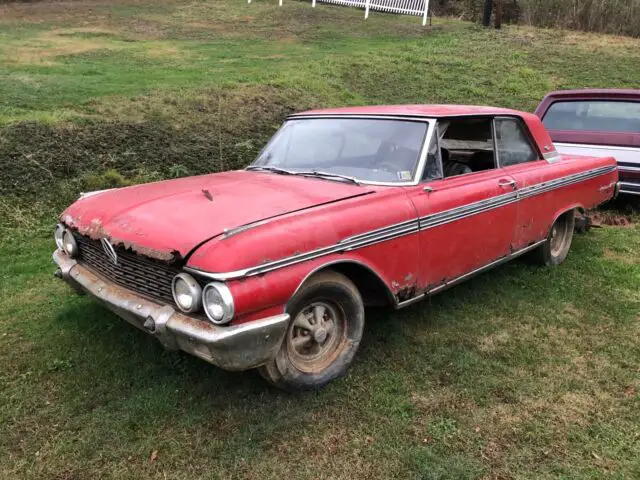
(611,16)
(621,17)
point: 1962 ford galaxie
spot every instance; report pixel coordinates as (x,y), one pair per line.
(271,266)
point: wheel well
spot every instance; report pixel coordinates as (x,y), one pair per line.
(371,287)
(573,210)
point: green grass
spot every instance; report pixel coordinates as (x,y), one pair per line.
(522,372)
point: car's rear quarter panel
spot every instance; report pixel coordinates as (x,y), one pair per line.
(538,212)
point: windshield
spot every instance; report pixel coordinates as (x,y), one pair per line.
(370,150)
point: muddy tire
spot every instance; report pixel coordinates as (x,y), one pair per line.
(555,249)
(327,321)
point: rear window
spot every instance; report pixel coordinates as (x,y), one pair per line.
(594,115)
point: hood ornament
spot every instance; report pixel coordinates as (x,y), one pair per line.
(207,194)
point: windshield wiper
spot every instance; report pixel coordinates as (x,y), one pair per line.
(316,173)
(268,168)
(310,173)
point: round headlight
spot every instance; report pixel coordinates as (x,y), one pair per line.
(187,292)
(69,244)
(58,236)
(218,303)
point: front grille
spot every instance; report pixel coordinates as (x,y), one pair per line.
(134,272)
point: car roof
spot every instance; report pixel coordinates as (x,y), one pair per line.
(596,93)
(587,94)
(539,133)
(433,111)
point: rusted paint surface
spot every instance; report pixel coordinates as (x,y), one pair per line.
(96,231)
(175,216)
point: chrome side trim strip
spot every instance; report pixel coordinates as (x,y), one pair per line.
(407,227)
(447,216)
(411,301)
(484,268)
(351,243)
(564,181)
(467,276)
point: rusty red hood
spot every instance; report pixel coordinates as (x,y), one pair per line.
(169,219)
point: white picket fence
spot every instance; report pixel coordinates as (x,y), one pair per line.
(403,7)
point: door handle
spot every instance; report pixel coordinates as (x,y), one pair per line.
(507,183)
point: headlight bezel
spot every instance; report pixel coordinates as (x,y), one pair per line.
(227,303)
(194,289)
(69,244)
(58,236)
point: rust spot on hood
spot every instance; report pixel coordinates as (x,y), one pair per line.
(96,231)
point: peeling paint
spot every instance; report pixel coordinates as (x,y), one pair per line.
(96,231)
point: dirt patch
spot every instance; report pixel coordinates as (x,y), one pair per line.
(492,343)
(612,218)
(620,257)
(441,401)
(43,49)
(591,42)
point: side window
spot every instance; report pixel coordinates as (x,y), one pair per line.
(466,145)
(513,143)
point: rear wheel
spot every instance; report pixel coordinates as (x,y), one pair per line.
(556,248)
(327,321)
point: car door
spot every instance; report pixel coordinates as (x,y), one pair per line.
(466,222)
(519,158)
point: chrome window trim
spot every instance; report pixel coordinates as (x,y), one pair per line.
(494,141)
(551,157)
(597,146)
(435,134)
(496,163)
(408,227)
(421,158)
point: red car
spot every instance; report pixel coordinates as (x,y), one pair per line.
(600,122)
(272,266)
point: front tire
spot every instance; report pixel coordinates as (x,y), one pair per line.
(556,248)
(327,321)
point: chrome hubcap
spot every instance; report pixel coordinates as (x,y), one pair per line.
(315,335)
(557,238)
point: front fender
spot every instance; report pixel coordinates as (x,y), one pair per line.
(269,293)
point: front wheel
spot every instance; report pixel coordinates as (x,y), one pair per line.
(556,248)
(327,321)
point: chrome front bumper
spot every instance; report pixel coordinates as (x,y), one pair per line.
(234,347)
